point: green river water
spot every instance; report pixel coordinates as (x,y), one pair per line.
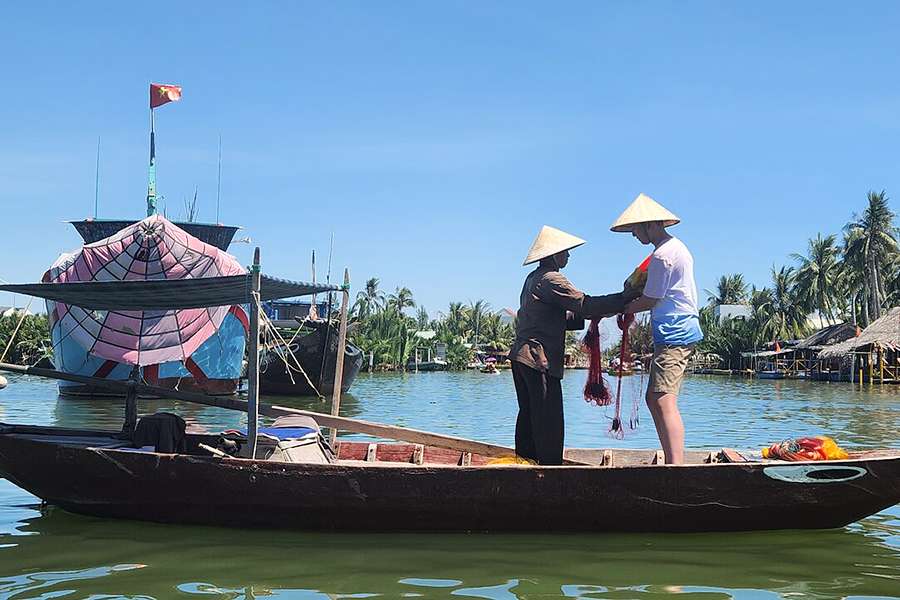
(52,554)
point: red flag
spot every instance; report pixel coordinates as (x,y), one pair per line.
(161,94)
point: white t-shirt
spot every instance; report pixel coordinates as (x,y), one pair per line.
(670,277)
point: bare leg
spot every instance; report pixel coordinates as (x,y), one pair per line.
(669,427)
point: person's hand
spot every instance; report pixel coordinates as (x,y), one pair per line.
(629,294)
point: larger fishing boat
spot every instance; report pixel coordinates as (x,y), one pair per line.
(184,349)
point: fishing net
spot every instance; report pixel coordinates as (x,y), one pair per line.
(596,389)
(820,447)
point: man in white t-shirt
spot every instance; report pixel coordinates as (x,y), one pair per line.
(670,295)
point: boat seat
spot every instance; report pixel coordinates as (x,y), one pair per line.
(292,427)
(294,438)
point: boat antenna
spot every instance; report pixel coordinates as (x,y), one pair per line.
(314,276)
(330,253)
(97,182)
(219,180)
(326,346)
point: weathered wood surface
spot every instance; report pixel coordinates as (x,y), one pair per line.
(390,497)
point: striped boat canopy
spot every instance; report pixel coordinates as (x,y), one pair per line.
(166,294)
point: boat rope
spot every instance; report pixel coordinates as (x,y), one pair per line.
(282,349)
(16,330)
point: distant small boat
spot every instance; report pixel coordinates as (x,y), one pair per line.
(770,374)
(435,364)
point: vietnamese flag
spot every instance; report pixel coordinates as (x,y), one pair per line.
(162,94)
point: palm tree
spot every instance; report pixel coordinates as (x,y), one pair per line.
(422,319)
(454,321)
(731,289)
(817,278)
(872,242)
(782,317)
(475,314)
(402,298)
(368,300)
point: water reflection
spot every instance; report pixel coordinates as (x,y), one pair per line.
(140,560)
(55,554)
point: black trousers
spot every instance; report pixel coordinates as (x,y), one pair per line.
(539,427)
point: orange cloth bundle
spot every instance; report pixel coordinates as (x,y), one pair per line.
(820,447)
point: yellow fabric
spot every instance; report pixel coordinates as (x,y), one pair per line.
(511,460)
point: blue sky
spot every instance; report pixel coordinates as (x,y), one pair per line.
(435,138)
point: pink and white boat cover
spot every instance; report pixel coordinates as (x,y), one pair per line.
(148,250)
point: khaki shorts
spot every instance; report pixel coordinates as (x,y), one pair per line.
(667,368)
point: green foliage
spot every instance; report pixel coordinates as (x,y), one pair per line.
(32,342)
(854,282)
(380,325)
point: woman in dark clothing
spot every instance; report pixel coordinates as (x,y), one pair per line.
(549,305)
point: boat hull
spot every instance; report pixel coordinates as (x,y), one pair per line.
(406,497)
(317,362)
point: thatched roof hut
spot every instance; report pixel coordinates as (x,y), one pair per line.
(885,333)
(828,336)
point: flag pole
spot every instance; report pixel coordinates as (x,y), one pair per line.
(151,186)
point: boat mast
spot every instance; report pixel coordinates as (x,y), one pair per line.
(339,357)
(253,358)
(151,186)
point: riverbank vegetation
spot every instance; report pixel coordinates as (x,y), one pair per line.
(31,342)
(392,327)
(852,277)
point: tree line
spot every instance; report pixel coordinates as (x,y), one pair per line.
(854,279)
(385,325)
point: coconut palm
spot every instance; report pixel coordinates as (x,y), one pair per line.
(402,298)
(783,317)
(422,319)
(368,299)
(475,314)
(871,244)
(817,278)
(730,289)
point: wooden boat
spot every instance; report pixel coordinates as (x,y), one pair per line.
(770,374)
(397,487)
(279,374)
(430,482)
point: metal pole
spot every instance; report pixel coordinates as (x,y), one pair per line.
(97,182)
(219,180)
(253,358)
(339,356)
(131,401)
(151,185)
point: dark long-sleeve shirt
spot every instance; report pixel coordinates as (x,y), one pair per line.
(549,305)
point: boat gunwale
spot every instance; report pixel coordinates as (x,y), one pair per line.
(10,430)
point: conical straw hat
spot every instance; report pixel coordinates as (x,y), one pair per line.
(550,241)
(644,209)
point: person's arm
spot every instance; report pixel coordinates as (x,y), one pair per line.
(654,290)
(555,289)
(574,322)
(641,304)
